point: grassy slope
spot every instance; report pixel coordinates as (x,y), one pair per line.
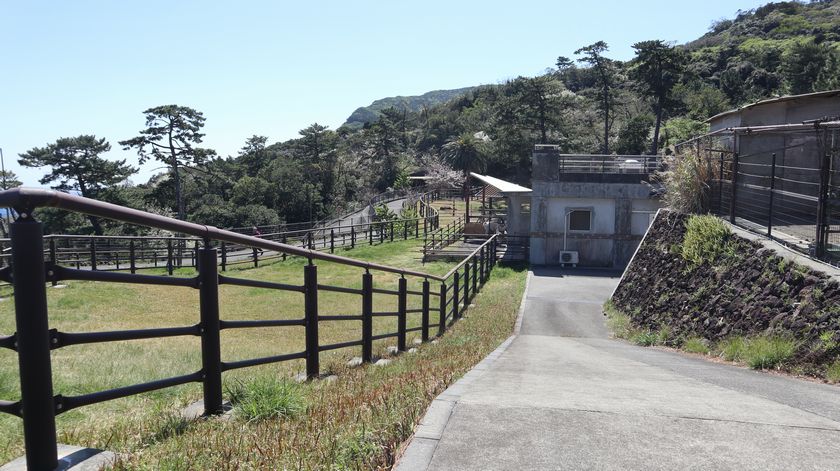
(141,425)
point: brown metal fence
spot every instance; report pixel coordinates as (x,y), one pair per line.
(781,181)
(436,306)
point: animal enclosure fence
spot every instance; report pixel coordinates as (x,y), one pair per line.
(782,181)
(436,306)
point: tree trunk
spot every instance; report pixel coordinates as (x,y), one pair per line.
(179,198)
(654,148)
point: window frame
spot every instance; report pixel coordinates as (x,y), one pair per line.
(569,219)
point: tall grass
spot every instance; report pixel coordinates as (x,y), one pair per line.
(687,182)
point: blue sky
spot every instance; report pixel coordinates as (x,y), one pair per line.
(272,67)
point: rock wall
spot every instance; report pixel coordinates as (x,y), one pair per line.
(753,292)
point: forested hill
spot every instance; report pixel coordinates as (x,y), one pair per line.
(370,113)
(781,47)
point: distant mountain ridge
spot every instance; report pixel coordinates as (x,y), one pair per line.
(370,113)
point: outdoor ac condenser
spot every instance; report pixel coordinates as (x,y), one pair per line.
(569,257)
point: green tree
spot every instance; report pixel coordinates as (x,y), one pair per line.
(253,154)
(657,68)
(606,73)
(171,133)
(76,165)
(8,179)
(633,138)
(467,153)
(801,65)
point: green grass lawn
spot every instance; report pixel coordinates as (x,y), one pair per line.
(383,401)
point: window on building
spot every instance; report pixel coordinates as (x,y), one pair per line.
(580,220)
(525,208)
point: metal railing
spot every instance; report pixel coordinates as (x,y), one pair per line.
(443,236)
(33,340)
(780,181)
(602,163)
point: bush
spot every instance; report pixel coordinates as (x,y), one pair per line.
(707,239)
(265,398)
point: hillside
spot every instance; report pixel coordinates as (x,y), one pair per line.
(370,113)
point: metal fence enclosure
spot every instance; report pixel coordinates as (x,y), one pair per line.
(782,181)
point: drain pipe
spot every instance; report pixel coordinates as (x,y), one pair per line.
(565,227)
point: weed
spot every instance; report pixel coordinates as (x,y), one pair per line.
(617,321)
(707,239)
(768,352)
(645,338)
(696,345)
(733,348)
(833,372)
(357,448)
(266,397)
(663,335)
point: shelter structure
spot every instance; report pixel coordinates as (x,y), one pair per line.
(589,210)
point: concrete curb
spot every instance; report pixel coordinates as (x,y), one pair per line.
(421,447)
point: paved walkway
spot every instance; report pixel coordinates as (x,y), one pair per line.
(562,395)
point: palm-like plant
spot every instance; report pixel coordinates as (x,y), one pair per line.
(467,153)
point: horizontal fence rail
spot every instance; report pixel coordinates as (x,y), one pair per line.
(433,307)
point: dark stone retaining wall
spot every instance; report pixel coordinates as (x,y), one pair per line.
(753,293)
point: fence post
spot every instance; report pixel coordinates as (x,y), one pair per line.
(33,343)
(732,190)
(405,230)
(720,186)
(370,234)
(352,237)
(92,253)
(211,350)
(474,277)
(466,285)
(332,240)
(770,202)
(255,255)
(456,299)
(481,267)
(169,256)
(224,256)
(367,317)
(310,237)
(132,261)
(442,309)
(310,274)
(401,314)
(425,319)
(53,258)
(284,242)
(391,231)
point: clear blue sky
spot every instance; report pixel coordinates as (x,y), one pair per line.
(272,67)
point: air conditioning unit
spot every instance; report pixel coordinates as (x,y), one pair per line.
(569,257)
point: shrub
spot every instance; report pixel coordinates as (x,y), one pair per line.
(696,345)
(266,397)
(687,183)
(707,239)
(768,352)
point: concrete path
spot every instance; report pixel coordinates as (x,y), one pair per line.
(562,395)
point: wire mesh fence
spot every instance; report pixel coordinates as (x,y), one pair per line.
(782,181)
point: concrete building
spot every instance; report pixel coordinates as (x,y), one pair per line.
(594,208)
